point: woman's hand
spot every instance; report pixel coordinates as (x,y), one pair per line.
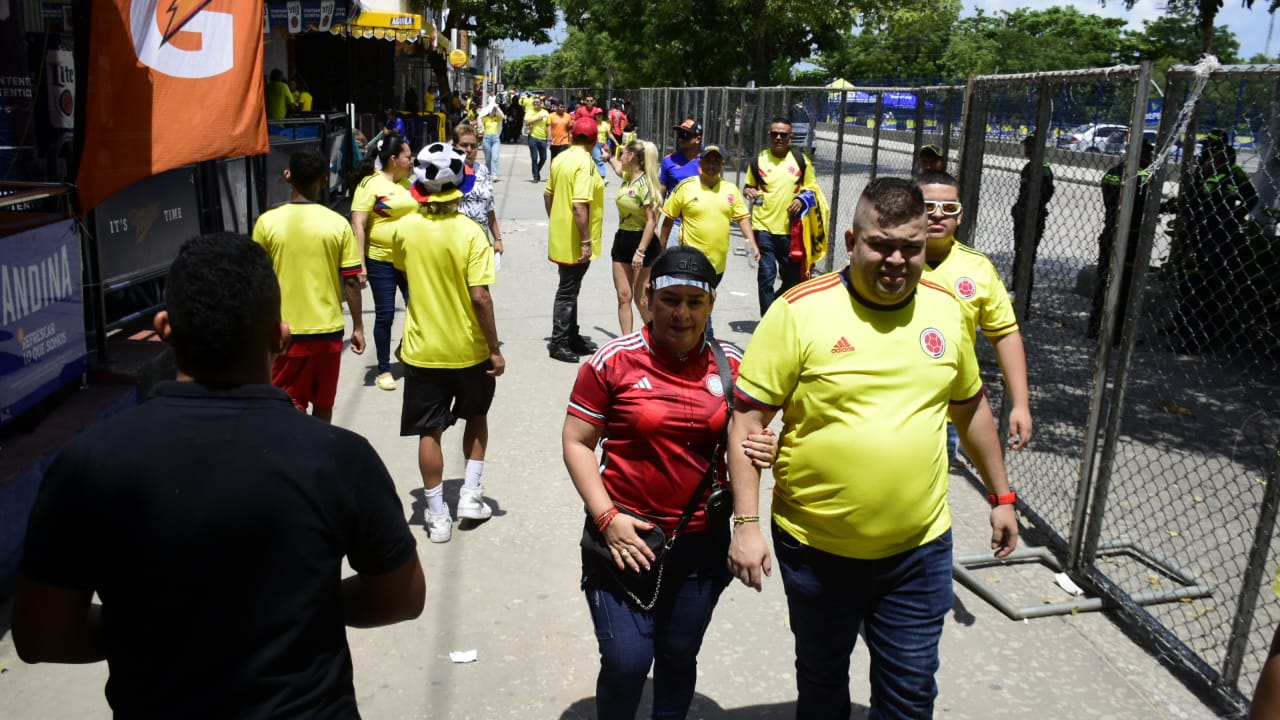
(761,448)
(623,536)
(637,259)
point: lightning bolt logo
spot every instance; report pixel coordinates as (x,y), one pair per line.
(180,13)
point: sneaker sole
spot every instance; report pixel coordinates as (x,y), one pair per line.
(475,514)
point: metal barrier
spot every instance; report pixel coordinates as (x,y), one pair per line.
(1147,286)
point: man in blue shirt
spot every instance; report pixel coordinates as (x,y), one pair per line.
(683,163)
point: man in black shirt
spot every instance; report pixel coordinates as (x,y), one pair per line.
(212,523)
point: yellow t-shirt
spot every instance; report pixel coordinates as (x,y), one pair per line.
(705,215)
(428,102)
(311,247)
(969,274)
(573,179)
(778,177)
(304,101)
(442,258)
(385,202)
(492,125)
(864,391)
(537,128)
(602,130)
(633,198)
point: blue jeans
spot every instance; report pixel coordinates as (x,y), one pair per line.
(900,601)
(537,156)
(953,441)
(595,155)
(775,261)
(492,147)
(667,637)
(384,278)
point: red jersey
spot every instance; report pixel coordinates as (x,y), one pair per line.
(661,419)
(583,111)
(617,121)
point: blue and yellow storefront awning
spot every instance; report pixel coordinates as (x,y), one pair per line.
(404,27)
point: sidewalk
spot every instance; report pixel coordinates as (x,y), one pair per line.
(508,588)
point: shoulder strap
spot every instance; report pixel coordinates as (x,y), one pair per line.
(754,168)
(726,382)
(800,163)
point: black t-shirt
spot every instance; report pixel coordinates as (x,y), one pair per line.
(212,523)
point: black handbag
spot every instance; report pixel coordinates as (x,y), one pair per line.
(718,506)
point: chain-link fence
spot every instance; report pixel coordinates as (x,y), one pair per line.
(1146,276)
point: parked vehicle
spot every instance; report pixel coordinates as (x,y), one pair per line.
(1118,143)
(802,135)
(1092,137)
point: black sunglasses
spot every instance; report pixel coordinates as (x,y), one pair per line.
(685,136)
(774,134)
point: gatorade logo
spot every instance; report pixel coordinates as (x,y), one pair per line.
(157,27)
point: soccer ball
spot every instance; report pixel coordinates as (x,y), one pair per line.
(440,164)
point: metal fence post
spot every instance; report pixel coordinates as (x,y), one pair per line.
(1255,572)
(875,135)
(1084,546)
(973,141)
(833,233)
(1026,235)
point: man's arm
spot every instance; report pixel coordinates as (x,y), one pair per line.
(748,552)
(667,223)
(750,234)
(1266,696)
(351,288)
(977,428)
(375,600)
(56,624)
(582,218)
(482,302)
(1012,357)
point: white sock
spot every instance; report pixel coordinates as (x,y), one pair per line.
(435,500)
(471,477)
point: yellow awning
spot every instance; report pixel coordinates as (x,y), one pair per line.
(405,27)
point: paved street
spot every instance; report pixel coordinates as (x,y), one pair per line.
(508,588)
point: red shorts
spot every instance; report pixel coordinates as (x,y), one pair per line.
(308,371)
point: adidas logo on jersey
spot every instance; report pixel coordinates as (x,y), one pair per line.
(643,383)
(842,346)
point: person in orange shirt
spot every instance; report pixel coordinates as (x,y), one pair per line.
(559,124)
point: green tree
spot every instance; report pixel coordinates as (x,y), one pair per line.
(490,20)
(906,42)
(721,42)
(525,72)
(1206,12)
(1022,40)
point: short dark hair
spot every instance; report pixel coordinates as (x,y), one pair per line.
(222,295)
(306,168)
(896,200)
(937,177)
(781,119)
(387,147)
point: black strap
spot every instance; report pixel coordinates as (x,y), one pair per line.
(726,383)
(754,168)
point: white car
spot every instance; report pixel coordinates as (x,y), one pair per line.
(1092,137)
(802,130)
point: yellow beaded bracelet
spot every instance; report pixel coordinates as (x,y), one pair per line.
(744,519)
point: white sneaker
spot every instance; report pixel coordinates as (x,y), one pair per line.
(439,527)
(471,504)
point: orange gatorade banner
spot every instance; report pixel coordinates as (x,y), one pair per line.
(170,82)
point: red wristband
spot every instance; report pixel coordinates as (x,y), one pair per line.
(603,519)
(1008,498)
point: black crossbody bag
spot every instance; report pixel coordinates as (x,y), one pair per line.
(719,505)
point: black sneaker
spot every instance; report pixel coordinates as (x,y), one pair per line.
(563,354)
(582,346)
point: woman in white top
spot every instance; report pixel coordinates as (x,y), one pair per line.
(477,203)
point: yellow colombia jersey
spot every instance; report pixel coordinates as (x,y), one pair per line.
(538,128)
(864,390)
(573,179)
(310,247)
(973,279)
(385,202)
(633,197)
(778,178)
(443,257)
(705,214)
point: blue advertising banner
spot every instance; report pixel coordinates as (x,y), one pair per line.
(41,315)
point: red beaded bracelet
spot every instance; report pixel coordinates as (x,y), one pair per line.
(603,519)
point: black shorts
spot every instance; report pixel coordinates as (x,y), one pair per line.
(436,398)
(626,242)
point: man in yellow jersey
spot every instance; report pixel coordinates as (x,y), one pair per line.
(864,365)
(774,182)
(451,352)
(983,298)
(574,201)
(317,261)
(706,206)
(536,120)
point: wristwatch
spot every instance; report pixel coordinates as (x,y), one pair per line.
(1008,498)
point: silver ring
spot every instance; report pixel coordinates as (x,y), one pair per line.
(624,551)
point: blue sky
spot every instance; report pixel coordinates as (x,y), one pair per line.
(1250,26)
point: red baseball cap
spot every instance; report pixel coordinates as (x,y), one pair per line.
(586,126)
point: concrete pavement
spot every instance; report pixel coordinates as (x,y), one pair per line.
(508,588)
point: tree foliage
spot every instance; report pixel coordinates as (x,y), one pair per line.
(1206,12)
(490,20)
(719,42)
(904,43)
